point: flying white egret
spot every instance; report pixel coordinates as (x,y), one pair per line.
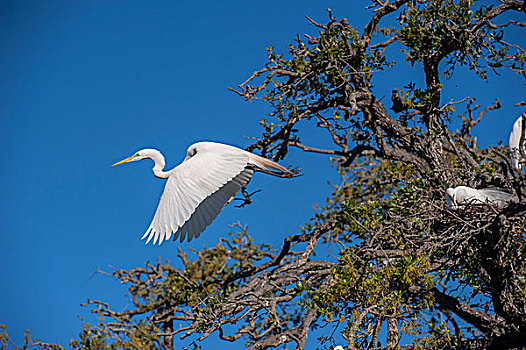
(198,188)
(515,140)
(463,195)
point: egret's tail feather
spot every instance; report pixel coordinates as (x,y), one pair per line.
(270,167)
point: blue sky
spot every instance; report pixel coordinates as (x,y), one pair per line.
(84,84)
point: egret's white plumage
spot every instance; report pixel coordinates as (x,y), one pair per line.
(514,142)
(463,195)
(198,188)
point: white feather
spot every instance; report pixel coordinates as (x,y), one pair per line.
(514,143)
(214,170)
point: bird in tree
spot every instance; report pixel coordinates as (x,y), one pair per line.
(518,134)
(198,188)
(463,195)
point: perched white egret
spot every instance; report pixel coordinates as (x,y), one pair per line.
(514,142)
(198,188)
(463,195)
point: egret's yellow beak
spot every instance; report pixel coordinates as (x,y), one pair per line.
(124,160)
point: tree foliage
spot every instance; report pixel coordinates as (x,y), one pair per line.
(409,271)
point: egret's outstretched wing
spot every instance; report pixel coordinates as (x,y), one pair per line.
(207,211)
(196,191)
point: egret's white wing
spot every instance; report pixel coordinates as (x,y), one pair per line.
(498,196)
(196,191)
(207,211)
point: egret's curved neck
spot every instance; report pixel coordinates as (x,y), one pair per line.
(158,159)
